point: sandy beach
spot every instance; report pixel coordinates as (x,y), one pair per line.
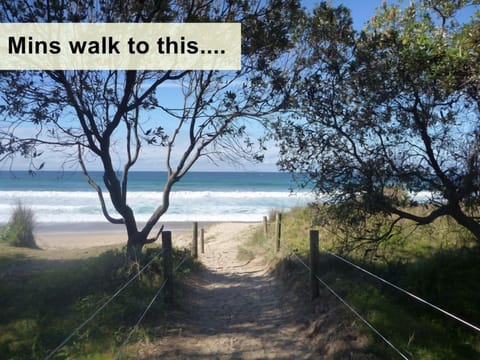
(56,236)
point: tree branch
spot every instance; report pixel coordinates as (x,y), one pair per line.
(98,189)
(422,220)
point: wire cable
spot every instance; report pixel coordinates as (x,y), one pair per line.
(127,339)
(405,291)
(416,297)
(180,264)
(354,311)
(96,312)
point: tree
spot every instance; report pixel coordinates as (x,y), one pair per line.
(102,114)
(391,111)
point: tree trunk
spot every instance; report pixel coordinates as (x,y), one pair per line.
(467,222)
(135,243)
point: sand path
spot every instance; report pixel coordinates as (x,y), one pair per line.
(232,310)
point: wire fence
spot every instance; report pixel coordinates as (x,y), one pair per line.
(137,324)
(140,319)
(111,298)
(350,307)
(103,306)
(408,293)
(314,253)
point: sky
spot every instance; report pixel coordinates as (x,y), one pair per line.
(361,11)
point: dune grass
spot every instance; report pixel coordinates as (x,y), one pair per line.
(43,299)
(438,262)
(19,229)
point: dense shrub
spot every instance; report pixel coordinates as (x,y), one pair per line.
(19,230)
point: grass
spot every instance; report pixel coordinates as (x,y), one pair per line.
(44,298)
(438,262)
(255,246)
(20,227)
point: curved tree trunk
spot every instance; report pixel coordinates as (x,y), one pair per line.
(135,243)
(467,222)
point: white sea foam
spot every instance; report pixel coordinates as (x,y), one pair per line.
(83,206)
(424,196)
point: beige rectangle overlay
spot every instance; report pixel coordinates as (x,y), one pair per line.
(120,46)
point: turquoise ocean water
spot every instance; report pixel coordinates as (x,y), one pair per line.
(65,197)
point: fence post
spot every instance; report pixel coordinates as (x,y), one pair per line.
(168,265)
(195,240)
(278,231)
(314,256)
(265,228)
(202,240)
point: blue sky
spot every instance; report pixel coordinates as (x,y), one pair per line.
(361,10)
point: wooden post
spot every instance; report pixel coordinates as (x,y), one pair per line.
(265,227)
(202,240)
(168,265)
(195,240)
(314,256)
(278,231)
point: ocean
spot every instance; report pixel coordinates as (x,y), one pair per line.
(65,197)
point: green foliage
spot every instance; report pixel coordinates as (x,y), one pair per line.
(19,229)
(446,278)
(295,226)
(44,300)
(257,245)
(394,106)
(438,262)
